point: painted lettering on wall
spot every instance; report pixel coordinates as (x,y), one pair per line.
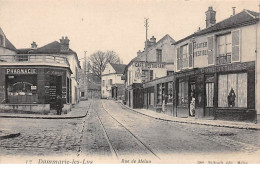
(149,65)
(200,49)
(21,71)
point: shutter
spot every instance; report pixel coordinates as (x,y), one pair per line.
(179,62)
(210,51)
(235,46)
(190,55)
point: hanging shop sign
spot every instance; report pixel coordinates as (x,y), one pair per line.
(21,71)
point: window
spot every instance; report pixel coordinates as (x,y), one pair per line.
(145,75)
(82,94)
(110,81)
(183,99)
(159,55)
(209,91)
(21,58)
(232,91)
(169,73)
(103,83)
(224,49)
(1,40)
(151,75)
(159,93)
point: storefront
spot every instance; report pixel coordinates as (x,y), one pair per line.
(159,95)
(34,89)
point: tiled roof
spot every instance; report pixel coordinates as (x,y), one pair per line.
(245,17)
(119,68)
(51,48)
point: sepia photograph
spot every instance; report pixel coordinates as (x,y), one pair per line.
(130,82)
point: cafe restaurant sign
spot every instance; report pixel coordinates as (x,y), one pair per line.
(149,65)
(21,71)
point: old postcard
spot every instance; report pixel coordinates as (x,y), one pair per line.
(129,82)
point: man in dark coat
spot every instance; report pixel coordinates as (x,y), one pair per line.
(59,105)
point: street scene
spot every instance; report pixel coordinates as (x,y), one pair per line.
(81,84)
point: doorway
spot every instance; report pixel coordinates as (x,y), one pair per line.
(55,90)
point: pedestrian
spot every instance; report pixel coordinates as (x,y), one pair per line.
(59,105)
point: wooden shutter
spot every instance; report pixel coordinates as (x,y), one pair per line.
(235,46)
(190,55)
(210,50)
(179,60)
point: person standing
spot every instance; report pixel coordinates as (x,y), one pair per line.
(59,105)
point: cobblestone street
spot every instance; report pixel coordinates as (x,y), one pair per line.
(113,132)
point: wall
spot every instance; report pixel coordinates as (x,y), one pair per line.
(5,51)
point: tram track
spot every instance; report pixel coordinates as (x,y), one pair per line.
(135,137)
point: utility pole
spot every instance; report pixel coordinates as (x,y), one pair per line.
(146,24)
(85,82)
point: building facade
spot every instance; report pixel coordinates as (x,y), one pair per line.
(112,85)
(32,78)
(156,61)
(216,72)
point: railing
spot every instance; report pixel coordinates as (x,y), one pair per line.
(32,58)
(223,59)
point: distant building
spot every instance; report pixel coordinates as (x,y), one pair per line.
(93,86)
(112,83)
(156,61)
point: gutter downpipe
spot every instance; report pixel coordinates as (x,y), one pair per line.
(256,71)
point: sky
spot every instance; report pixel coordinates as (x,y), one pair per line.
(118,25)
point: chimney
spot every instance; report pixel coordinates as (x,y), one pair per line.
(139,53)
(234,10)
(153,41)
(148,44)
(210,17)
(33,45)
(64,44)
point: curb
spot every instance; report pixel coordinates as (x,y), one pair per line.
(31,117)
(197,123)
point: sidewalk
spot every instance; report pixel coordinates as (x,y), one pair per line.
(192,120)
(79,111)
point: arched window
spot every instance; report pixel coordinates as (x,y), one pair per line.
(1,40)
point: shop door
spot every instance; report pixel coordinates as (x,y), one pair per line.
(192,90)
(55,90)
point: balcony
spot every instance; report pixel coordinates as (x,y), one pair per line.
(32,59)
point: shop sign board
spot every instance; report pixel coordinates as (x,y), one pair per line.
(21,71)
(148,65)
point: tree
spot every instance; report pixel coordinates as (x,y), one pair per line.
(100,59)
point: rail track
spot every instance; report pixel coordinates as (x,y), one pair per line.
(112,148)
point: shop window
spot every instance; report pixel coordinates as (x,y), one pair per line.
(159,93)
(209,91)
(224,49)
(232,90)
(183,99)
(151,98)
(159,55)
(22,89)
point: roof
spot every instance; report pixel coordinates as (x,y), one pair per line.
(119,68)
(9,45)
(138,58)
(51,48)
(245,17)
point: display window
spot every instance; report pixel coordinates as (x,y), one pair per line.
(183,98)
(22,89)
(232,90)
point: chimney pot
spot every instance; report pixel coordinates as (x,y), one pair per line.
(234,10)
(33,45)
(64,44)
